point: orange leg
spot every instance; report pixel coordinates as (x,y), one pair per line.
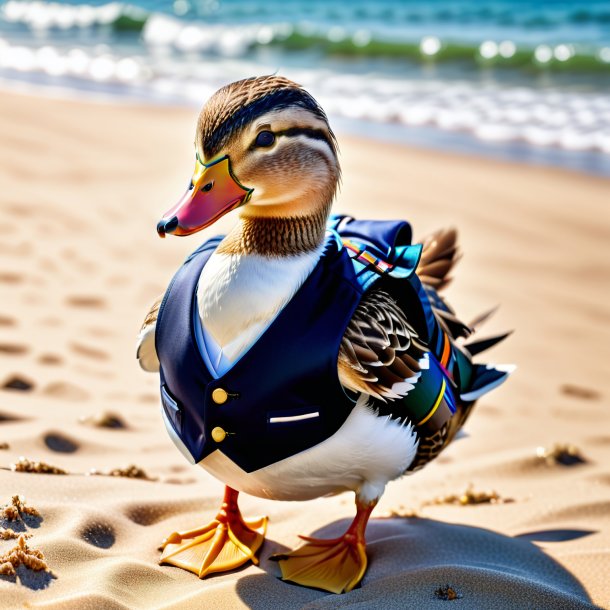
(225,543)
(336,565)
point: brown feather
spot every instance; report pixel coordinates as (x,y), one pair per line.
(151,316)
(365,355)
(400,367)
(273,236)
(451,324)
(439,268)
(439,255)
(379,348)
(482,318)
(387,377)
(225,103)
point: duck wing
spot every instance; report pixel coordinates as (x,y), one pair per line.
(145,351)
(380,350)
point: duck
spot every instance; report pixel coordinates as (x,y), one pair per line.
(303,354)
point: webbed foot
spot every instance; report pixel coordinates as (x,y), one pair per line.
(336,565)
(333,565)
(225,543)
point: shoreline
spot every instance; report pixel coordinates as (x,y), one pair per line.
(80,263)
(425,137)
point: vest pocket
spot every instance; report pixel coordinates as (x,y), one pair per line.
(287,422)
(171,408)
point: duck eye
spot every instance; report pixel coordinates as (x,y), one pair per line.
(265,139)
(207,187)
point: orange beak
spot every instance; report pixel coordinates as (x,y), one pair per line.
(214,192)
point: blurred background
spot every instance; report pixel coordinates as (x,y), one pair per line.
(508,78)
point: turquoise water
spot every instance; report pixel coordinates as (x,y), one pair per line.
(532,76)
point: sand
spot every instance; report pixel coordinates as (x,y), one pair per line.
(83,186)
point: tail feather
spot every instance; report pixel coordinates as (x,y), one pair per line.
(482,318)
(452,324)
(486,377)
(439,256)
(476,347)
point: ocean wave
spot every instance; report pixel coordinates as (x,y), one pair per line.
(54,15)
(359,60)
(339,42)
(521,13)
(577,121)
(157,29)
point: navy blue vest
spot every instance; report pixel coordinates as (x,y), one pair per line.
(284,394)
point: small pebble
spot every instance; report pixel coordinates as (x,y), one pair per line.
(18,383)
(447,593)
(562,454)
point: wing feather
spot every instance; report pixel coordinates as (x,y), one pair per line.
(380,350)
(145,350)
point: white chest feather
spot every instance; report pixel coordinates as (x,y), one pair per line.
(239,295)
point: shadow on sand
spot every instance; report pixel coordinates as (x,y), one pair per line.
(31,579)
(409,559)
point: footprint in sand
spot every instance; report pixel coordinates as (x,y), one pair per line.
(65,390)
(178,468)
(6,277)
(85,301)
(19,209)
(6,418)
(6,321)
(88,351)
(576,391)
(149,514)
(50,359)
(14,349)
(17,382)
(98,534)
(56,441)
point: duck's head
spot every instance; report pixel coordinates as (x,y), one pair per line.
(263,145)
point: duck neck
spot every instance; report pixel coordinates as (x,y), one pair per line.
(277,235)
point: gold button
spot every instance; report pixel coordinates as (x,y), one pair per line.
(220,396)
(219,435)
